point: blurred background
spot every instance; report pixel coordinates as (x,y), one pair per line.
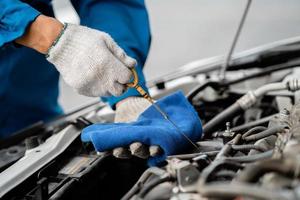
(187,30)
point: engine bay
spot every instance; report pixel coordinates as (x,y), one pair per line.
(249,149)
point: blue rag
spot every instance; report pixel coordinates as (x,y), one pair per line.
(151,129)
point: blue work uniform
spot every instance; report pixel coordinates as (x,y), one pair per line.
(29,84)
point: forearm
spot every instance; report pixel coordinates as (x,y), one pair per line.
(41,34)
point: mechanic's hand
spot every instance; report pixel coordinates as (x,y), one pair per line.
(88,60)
(128,110)
(151,128)
(91,62)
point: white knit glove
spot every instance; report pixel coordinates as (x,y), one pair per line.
(128,111)
(90,61)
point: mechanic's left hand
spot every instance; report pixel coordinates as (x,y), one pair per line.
(128,110)
(151,128)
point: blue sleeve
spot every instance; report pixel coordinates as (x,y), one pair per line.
(127,22)
(15,16)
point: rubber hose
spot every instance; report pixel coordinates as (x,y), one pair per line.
(221,118)
(151,185)
(254,130)
(251,158)
(253,172)
(248,147)
(263,134)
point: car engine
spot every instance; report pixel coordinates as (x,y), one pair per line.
(249,150)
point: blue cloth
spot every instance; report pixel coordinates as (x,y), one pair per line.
(151,129)
(29,84)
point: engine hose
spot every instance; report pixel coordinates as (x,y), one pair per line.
(193,155)
(227,114)
(215,167)
(246,102)
(226,173)
(201,87)
(252,173)
(247,147)
(231,190)
(254,130)
(227,147)
(151,171)
(246,126)
(250,158)
(263,134)
(220,163)
(147,188)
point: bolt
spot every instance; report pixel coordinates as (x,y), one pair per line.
(285,112)
(175,190)
(187,179)
(293,85)
(228,127)
(228,132)
(284,115)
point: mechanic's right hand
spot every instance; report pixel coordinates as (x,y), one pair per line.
(90,61)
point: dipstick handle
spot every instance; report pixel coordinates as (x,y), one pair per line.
(135,84)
